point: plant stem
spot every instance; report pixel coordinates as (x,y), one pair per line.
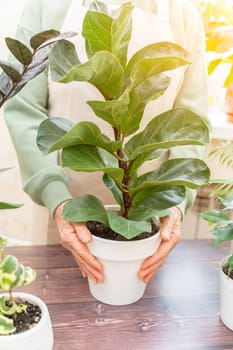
(124,165)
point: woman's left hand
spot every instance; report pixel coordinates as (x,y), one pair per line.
(171,235)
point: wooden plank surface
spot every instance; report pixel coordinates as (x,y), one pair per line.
(179,311)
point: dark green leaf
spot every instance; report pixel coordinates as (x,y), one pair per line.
(86,133)
(21,52)
(11,71)
(89,158)
(153,201)
(40,38)
(85,208)
(190,172)
(173,128)
(127,228)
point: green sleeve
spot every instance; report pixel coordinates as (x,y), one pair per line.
(43,180)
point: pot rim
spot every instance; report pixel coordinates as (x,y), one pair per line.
(44,310)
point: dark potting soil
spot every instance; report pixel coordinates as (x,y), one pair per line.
(27,319)
(100,230)
(225,270)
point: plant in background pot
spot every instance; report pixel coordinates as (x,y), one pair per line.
(24,318)
(222,229)
(123,236)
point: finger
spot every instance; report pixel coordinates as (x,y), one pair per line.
(147,278)
(167,225)
(145,274)
(82,231)
(89,271)
(163,251)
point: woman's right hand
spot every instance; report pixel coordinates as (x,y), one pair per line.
(74,237)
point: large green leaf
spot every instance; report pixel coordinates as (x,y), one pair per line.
(86,133)
(103,32)
(50,131)
(160,49)
(173,128)
(180,171)
(149,67)
(103,70)
(85,208)
(152,201)
(89,158)
(110,183)
(127,228)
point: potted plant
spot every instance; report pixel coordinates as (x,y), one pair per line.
(221,221)
(24,318)
(124,235)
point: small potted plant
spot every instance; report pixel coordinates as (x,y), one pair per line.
(124,235)
(221,222)
(24,318)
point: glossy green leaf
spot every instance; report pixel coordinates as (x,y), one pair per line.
(149,67)
(86,133)
(21,52)
(103,32)
(153,201)
(173,128)
(190,172)
(160,49)
(85,208)
(127,228)
(88,158)
(227,201)
(50,131)
(103,71)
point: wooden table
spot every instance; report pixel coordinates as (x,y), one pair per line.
(179,311)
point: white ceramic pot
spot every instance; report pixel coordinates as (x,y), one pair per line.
(226,297)
(121,260)
(38,338)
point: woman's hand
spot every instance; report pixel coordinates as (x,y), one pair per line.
(74,237)
(171,235)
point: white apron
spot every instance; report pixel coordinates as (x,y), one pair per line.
(69,100)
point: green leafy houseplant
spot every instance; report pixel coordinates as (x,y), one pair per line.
(127,86)
(222,229)
(12,274)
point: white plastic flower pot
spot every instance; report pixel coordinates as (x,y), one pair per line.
(226,297)
(121,261)
(37,338)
